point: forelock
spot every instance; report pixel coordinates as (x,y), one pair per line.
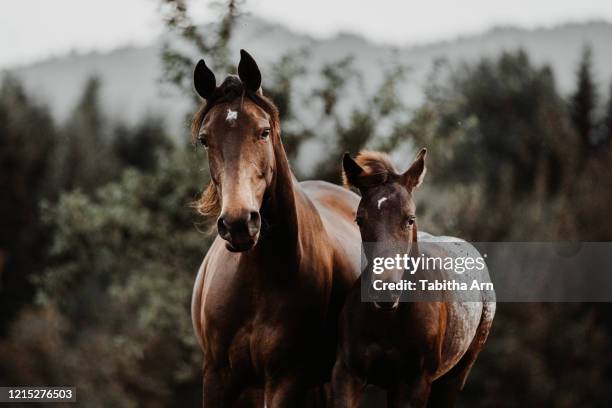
(375,162)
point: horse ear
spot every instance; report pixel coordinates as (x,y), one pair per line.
(351,171)
(413,177)
(204,80)
(249,73)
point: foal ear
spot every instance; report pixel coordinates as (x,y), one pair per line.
(249,73)
(351,171)
(204,80)
(413,177)
(354,175)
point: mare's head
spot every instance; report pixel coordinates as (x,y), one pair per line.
(386,214)
(239,127)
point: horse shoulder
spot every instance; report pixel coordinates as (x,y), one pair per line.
(208,290)
(197,302)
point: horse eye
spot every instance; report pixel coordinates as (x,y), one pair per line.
(202,140)
(359,220)
(410,222)
(265,133)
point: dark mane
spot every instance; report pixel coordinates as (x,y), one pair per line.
(231,88)
(374,162)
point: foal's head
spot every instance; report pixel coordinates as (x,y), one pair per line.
(239,127)
(386,214)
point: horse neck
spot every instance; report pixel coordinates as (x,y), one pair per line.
(282,210)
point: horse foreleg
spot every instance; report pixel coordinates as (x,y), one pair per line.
(218,388)
(414,394)
(347,388)
(286,392)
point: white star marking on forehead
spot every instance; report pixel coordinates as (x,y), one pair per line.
(231,115)
(381,200)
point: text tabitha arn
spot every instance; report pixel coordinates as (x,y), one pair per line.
(435,285)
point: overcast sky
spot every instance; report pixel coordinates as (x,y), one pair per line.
(34,29)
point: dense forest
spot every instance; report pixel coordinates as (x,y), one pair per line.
(100,243)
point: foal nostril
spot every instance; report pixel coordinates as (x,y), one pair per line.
(254,217)
(253,222)
(222,226)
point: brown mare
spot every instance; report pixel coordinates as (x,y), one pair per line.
(269,292)
(411,349)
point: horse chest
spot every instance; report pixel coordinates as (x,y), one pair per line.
(251,348)
(257,336)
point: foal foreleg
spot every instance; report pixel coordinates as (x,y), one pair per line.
(413,394)
(347,388)
(284,393)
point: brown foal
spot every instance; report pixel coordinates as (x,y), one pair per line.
(421,352)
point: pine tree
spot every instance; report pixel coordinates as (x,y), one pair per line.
(584,100)
(27,142)
(86,156)
(607,121)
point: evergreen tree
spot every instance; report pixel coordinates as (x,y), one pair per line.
(500,119)
(27,139)
(584,101)
(607,121)
(86,159)
(141,146)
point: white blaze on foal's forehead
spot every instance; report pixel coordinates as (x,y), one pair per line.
(232,115)
(381,200)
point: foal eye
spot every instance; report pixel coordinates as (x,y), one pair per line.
(265,133)
(410,221)
(202,140)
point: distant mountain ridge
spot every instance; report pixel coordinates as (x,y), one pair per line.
(131,75)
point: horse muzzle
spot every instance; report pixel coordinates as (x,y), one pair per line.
(241,232)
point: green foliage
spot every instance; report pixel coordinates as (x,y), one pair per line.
(289,68)
(367,124)
(178,63)
(335,76)
(121,270)
(501,123)
(280,88)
